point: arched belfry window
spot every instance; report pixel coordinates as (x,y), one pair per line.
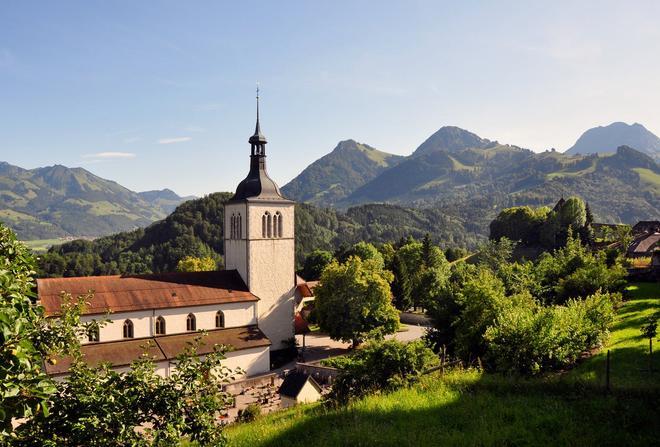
(191,323)
(219,319)
(270,225)
(160,326)
(232,227)
(128,329)
(239,226)
(278,227)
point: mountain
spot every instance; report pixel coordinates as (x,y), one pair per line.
(56,202)
(452,139)
(471,178)
(164,199)
(608,138)
(335,175)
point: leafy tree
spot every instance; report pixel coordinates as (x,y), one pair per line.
(315,262)
(353,300)
(381,365)
(455,253)
(27,337)
(401,285)
(98,407)
(366,252)
(495,253)
(194,264)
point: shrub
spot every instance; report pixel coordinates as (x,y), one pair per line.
(382,365)
(533,339)
(249,413)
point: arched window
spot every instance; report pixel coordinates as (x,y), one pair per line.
(219,319)
(266,225)
(191,323)
(128,329)
(275,224)
(232,226)
(239,226)
(93,334)
(270,225)
(160,326)
(278,228)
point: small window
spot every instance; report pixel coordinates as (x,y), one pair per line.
(270,225)
(264,224)
(219,319)
(160,326)
(128,329)
(278,230)
(93,335)
(239,228)
(191,323)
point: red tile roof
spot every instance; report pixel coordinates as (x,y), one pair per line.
(161,348)
(306,288)
(145,292)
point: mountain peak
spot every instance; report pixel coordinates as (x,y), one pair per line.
(452,139)
(603,139)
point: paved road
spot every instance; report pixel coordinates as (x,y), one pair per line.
(321,346)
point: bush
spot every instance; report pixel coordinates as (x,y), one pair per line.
(533,339)
(383,365)
(249,413)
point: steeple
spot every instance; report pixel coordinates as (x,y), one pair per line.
(258,140)
(257,185)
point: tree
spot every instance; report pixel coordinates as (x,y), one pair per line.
(98,407)
(353,301)
(195,264)
(27,337)
(366,252)
(315,262)
(650,330)
(401,285)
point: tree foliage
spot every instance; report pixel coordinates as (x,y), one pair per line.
(353,300)
(195,264)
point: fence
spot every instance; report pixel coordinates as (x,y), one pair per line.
(324,375)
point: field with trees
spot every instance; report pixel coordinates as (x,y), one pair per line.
(473,407)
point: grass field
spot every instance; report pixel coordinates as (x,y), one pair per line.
(473,408)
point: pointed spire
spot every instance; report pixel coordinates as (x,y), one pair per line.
(258,140)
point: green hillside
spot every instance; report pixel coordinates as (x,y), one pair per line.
(59,202)
(335,175)
(470,408)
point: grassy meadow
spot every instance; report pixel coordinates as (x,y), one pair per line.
(474,408)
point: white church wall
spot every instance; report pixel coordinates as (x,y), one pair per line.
(236,314)
(235,251)
(253,361)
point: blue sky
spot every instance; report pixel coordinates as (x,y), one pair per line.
(157,94)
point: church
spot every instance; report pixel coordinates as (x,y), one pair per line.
(249,306)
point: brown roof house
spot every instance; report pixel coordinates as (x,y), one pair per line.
(249,307)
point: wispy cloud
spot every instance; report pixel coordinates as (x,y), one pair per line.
(174,140)
(110,155)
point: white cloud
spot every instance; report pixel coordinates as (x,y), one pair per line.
(174,140)
(109,155)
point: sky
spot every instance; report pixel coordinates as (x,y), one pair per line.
(161,94)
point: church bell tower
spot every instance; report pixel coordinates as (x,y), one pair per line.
(260,243)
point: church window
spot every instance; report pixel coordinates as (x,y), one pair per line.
(264,224)
(270,225)
(128,329)
(219,319)
(239,226)
(160,326)
(93,334)
(191,323)
(278,228)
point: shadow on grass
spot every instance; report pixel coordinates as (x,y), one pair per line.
(492,411)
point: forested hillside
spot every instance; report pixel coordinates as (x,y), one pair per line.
(195,229)
(57,201)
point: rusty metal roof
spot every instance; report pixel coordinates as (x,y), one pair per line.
(144,292)
(161,348)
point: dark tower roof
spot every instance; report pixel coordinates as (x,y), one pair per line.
(258,185)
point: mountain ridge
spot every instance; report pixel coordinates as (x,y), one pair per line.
(605,139)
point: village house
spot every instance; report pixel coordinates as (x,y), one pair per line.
(250,306)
